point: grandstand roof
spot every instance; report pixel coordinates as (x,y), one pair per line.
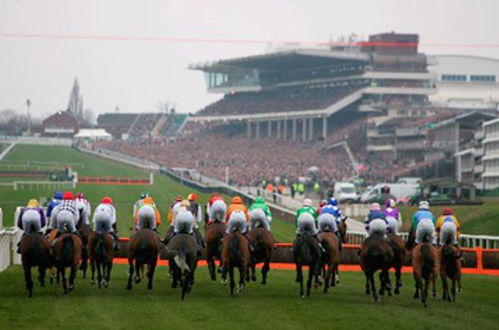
(468,119)
(298,58)
(116,119)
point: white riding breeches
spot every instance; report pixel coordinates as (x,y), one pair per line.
(237,220)
(426,228)
(327,222)
(393,225)
(31,221)
(306,224)
(218,210)
(448,233)
(377,226)
(184,222)
(66,220)
(147,217)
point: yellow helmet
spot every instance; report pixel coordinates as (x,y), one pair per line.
(33,203)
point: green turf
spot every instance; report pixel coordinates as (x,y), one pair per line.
(209,306)
(163,191)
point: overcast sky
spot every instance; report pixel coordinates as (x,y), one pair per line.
(134,53)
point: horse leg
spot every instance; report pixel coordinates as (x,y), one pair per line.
(299,278)
(373,286)
(453,290)
(327,277)
(368,283)
(211,267)
(62,272)
(424,293)
(185,280)
(388,282)
(434,285)
(242,271)
(100,267)
(41,275)
(28,280)
(265,271)
(337,273)
(130,274)
(417,284)
(150,274)
(84,261)
(138,269)
(445,287)
(108,274)
(92,271)
(231,278)
(382,283)
(332,282)
(253,272)
(311,275)
(398,278)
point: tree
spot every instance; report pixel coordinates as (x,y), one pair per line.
(75,104)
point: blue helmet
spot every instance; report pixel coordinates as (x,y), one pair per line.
(332,201)
(58,195)
(328,209)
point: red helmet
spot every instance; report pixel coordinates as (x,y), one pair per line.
(80,196)
(68,195)
(107,200)
(193,197)
(447,211)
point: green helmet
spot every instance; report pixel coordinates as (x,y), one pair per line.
(259,200)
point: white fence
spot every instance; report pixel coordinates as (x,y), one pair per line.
(9,237)
(36,140)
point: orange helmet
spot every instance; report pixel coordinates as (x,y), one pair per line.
(148,200)
(237,200)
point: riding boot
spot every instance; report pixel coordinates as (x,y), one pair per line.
(249,243)
(319,243)
(116,240)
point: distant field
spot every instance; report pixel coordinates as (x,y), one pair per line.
(209,306)
(164,189)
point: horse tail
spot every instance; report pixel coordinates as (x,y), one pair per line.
(67,248)
(306,252)
(428,262)
(38,255)
(180,259)
(234,246)
(100,247)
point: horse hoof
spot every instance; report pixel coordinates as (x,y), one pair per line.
(264,283)
(129,287)
(397,291)
(303,297)
(223,282)
(71,287)
(92,282)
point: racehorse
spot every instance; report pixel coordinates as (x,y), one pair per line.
(84,231)
(35,252)
(263,244)
(376,254)
(143,249)
(426,264)
(182,256)
(214,232)
(330,258)
(101,251)
(399,256)
(235,254)
(450,268)
(306,252)
(67,253)
(343,238)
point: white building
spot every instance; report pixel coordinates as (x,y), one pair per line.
(490,159)
(465,82)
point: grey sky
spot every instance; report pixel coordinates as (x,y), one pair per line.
(135,75)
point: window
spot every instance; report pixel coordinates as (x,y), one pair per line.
(483,78)
(454,77)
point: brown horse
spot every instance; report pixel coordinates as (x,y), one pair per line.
(450,268)
(343,238)
(399,256)
(235,254)
(214,232)
(84,231)
(306,252)
(263,244)
(101,252)
(143,249)
(330,258)
(376,254)
(35,252)
(67,253)
(182,256)
(426,264)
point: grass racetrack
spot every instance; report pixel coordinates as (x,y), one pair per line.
(209,306)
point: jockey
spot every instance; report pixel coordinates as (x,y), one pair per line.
(217,210)
(333,202)
(423,223)
(259,211)
(195,209)
(393,216)
(84,208)
(327,222)
(321,205)
(184,222)
(104,219)
(237,218)
(173,209)
(65,216)
(307,208)
(237,205)
(376,220)
(448,227)
(31,218)
(56,200)
(139,202)
(147,214)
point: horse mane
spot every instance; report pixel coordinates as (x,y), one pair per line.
(428,262)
